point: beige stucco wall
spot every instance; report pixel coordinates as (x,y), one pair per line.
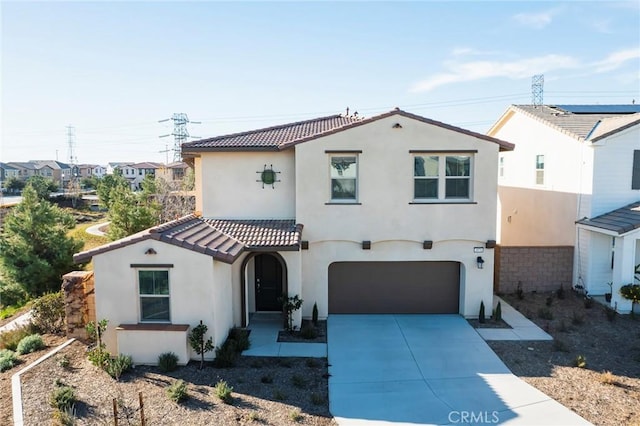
(227,187)
(200,289)
(386,216)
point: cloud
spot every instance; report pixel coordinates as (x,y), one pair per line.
(535,20)
(602,26)
(458,71)
(468,51)
(478,70)
(616,59)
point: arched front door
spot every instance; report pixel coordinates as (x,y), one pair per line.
(268,282)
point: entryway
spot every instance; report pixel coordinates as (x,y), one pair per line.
(268,283)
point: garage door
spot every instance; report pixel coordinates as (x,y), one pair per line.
(394,287)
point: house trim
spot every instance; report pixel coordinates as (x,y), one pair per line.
(440,151)
(151,265)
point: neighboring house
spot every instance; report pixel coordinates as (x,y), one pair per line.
(7,172)
(390,214)
(59,172)
(142,170)
(98,171)
(173,172)
(573,163)
(25,169)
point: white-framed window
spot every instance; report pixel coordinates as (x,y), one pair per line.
(153,290)
(501,167)
(540,169)
(344,178)
(443,176)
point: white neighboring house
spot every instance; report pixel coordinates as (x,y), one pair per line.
(574,163)
(142,170)
(98,171)
(390,214)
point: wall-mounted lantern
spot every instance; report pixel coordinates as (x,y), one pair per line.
(480,262)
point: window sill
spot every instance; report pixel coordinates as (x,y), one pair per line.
(443,202)
(153,327)
(336,203)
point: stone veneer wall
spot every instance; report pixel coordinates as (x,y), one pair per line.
(80,306)
(539,269)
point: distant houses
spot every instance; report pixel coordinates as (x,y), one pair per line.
(62,173)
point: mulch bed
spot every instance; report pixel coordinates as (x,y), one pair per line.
(320,332)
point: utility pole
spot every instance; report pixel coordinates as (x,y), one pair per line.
(180,133)
(166,152)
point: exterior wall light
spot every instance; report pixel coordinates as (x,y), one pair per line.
(480,262)
(366,245)
(150,251)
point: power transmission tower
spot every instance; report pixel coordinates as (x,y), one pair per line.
(71,140)
(74,182)
(180,133)
(537,89)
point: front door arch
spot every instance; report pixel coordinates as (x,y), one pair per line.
(246,285)
(268,282)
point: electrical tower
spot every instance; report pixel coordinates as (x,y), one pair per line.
(74,179)
(180,133)
(71,140)
(537,89)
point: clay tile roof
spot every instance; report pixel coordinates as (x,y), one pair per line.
(224,240)
(271,233)
(621,221)
(287,135)
(272,137)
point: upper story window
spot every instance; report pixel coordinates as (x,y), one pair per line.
(153,286)
(501,167)
(442,177)
(539,169)
(344,178)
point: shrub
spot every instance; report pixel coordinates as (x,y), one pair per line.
(30,344)
(117,366)
(295,415)
(308,331)
(290,305)
(177,391)
(241,336)
(498,312)
(317,399)
(226,354)
(167,362)
(223,391)
(10,339)
(588,302)
(63,361)
(580,361)
(99,357)
(607,378)
(48,314)
(314,314)
(267,379)
(8,359)
(298,381)
(62,398)
(610,312)
(577,319)
(278,395)
(64,417)
(545,313)
(560,292)
(481,313)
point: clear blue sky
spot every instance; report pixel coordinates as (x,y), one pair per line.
(113,69)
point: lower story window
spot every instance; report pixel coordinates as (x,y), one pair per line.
(154,295)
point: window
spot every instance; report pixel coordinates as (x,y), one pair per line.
(501,167)
(635,174)
(438,177)
(154,295)
(539,169)
(344,178)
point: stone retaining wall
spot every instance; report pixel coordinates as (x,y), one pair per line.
(80,306)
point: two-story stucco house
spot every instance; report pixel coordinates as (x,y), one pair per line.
(391,214)
(573,163)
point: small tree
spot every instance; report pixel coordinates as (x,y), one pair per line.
(290,305)
(314,314)
(98,355)
(130,213)
(14,185)
(34,246)
(481,313)
(631,292)
(106,185)
(43,186)
(198,343)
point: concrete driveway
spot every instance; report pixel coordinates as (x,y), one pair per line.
(427,369)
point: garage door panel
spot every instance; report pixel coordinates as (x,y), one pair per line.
(394,287)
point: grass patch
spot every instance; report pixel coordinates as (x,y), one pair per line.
(607,378)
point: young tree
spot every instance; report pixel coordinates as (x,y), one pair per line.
(107,184)
(35,250)
(130,213)
(14,185)
(175,201)
(198,343)
(43,186)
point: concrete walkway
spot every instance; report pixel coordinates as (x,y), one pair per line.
(521,327)
(17,322)
(427,370)
(264,340)
(95,229)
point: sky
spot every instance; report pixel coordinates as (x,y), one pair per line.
(113,70)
